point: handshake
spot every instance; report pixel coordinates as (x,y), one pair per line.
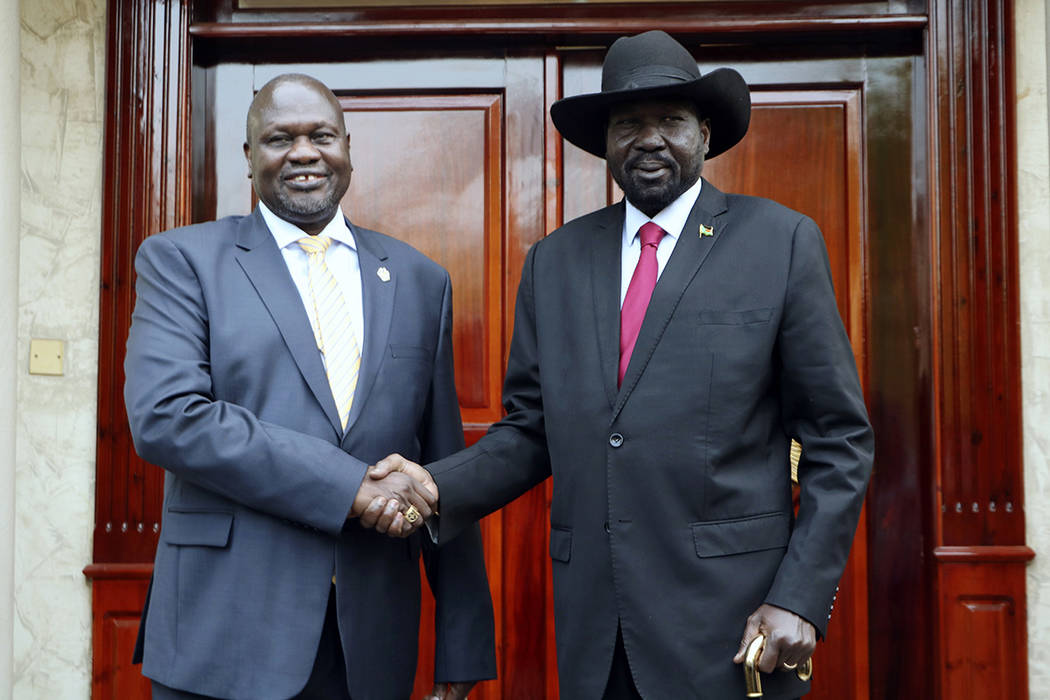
(396,497)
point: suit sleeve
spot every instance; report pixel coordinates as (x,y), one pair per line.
(177,423)
(512,457)
(823,408)
(465,639)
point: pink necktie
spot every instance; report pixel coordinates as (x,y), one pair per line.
(639,291)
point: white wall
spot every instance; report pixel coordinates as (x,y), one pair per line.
(62,99)
(1033,156)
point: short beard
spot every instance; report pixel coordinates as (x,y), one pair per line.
(307,208)
(652,199)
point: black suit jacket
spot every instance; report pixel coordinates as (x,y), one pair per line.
(672,505)
(226,390)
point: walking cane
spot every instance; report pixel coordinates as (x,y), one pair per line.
(753,679)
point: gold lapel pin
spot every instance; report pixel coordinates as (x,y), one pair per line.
(383,274)
(706,231)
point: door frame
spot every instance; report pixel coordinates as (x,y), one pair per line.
(964,498)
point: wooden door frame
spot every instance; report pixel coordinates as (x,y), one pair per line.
(969,494)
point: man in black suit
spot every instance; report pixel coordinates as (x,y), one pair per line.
(666,350)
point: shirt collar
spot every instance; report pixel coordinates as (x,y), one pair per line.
(286,233)
(671,218)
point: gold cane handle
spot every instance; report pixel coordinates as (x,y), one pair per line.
(753,679)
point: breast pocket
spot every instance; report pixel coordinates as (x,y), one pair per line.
(748,317)
(410,352)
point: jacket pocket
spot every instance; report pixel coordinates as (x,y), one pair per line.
(720,538)
(735,318)
(410,351)
(561,543)
(202,528)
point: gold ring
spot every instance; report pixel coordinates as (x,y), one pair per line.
(789,667)
(411,515)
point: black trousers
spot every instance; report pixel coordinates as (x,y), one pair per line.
(327,679)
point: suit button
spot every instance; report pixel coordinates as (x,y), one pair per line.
(616,439)
(606,526)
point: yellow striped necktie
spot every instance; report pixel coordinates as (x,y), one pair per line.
(333,327)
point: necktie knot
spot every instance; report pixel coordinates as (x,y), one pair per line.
(314,244)
(650,234)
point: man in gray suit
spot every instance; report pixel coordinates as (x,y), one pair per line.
(666,350)
(271,359)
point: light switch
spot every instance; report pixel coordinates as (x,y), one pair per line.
(45,356)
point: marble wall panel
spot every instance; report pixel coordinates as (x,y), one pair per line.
(62,98)
(1034,225)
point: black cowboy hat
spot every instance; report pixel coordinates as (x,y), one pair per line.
(654,66)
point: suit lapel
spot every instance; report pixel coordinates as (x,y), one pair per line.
(605,281)
(378,303)
(685,262)
(262,262)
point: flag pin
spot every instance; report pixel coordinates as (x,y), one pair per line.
(706,230)
(383,274)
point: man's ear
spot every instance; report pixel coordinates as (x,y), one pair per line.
(248,157)
(705,131)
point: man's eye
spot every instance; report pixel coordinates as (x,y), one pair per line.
(277,140)
(324,138)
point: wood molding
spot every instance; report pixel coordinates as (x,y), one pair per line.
(605,26)
(145,190)
(978,489)
(984,555)
(118,572)
(116,609)
(977,368)
(983,630)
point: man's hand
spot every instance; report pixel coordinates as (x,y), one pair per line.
(385,515)
(397,463)
(379,500)
(449,691)
(790,640)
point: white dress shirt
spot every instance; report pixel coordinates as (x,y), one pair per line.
(341,259)
(671,219)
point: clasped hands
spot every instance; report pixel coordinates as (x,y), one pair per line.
(393,486)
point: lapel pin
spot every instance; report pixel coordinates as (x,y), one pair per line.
(706,231)
(383,274)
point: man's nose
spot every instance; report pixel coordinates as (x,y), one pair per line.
(303,149)
(649,138)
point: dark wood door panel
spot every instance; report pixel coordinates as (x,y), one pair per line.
(442,195)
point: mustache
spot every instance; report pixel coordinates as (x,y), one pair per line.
(663,160)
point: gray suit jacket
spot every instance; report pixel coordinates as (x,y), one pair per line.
(226,391)
(672,505)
